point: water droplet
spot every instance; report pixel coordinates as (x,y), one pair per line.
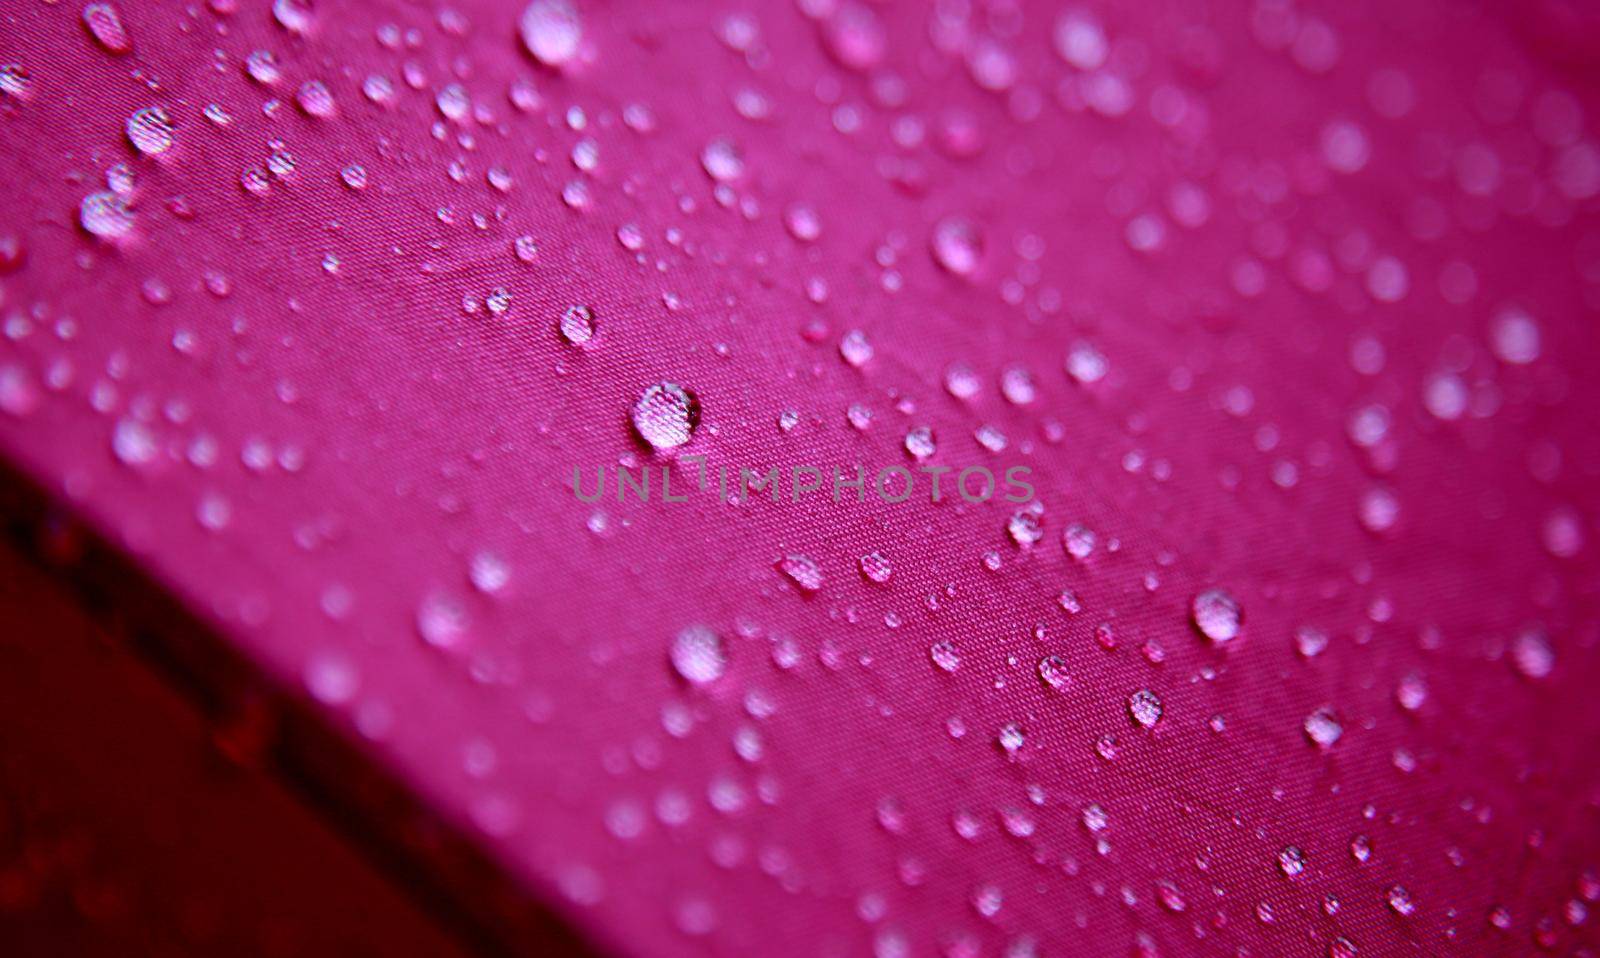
(262,67)
(1515,336)
(1400,901)
(875,566)
(1218,616)
(1025,527)
(551,31)
(1310,642)
(1323,728)
(296,16)
(106,215)
(919,442)
(631,237)
(1011,738)
(665,415)
(1145,708)
(151,130)
(331,678)
(1532,654)
(1411,693)
(577,325)
(698,655)
(855,348)
(721,161)
(105,25)
(944,655)
(855,37)
(1079,40)
(442,621)
(802,222)
(1291,860)
(1085,364)
(488,573)
(316,99)
(986,900)
(1379,510)
(133,443)
(1053,672)
(957,246)
(1078,541)
(802,570)
(15,81)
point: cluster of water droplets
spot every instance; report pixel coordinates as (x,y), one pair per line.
(1108,630)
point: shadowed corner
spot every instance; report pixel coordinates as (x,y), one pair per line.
(158,797)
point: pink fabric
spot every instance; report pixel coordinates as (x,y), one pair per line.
(1308,242)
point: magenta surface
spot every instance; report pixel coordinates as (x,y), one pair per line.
(1293,301)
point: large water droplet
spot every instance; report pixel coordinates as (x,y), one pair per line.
(1532,654)
(151,130)
(1291,860)
(1323,728)
(1145,708)
(442,621)
(803,571)
(1217,614)
(106,215)
(105,25)
(698,655)
(666,415)
(1053,672)
(957,246)
(551,31)
(577,325)
(722,161)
